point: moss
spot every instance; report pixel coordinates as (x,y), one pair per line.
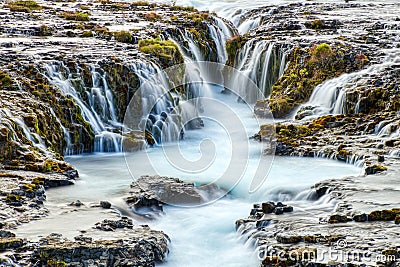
(152,16)
(76,16)
(233,45)
(184,8)
(384,215)
(167,51)
(123,36)
(87,34)
(23,6)
(12,198)
(140,3)
(53,263)
(44,30)
(5,79)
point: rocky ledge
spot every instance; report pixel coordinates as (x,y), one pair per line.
(353,215)
(128,245)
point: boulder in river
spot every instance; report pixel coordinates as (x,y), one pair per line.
(155,191)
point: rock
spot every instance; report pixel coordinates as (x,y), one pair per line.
(337,218)
(154,191)
(397,219)
(111,225)
(375,169)
(383,215)
(360,218)
(105,204)
(278,210)
(287,239)
(268,207)
(76,203)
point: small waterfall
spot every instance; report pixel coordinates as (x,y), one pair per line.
(98,109)
(330,96)
(263,63)
(14,122)
(161,116)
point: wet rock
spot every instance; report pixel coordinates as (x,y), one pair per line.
(360,218)
(338,218)
(139,247)
(374,169)
(155,191)
(76,203)
(111,225)
(105,204)
(383,215)
(285,239)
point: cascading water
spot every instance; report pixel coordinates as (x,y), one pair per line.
(257,60)
(330,96)
(98,109)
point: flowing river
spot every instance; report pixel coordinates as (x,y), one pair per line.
(201,236)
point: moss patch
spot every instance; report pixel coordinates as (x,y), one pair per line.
(167,51)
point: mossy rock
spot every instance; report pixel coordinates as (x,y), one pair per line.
(384,215)
(233,45)
(123,36)
(307,68)
(338,218)
(10,243)
(24,6)
(166,51)
(375,169)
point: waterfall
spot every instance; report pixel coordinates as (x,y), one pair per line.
(263,63)
(98,109)
(160,115)
(13,122)
(330,96)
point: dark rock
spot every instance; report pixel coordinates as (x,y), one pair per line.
(360,217)
(105,204)
(281,238)
(76,203)
(278,210)
(337,218)
(268,207)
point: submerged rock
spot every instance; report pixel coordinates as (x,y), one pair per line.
(152,192)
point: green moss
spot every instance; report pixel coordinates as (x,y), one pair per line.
(44,30)
(23,6)
(5,79)
(233,45)
(140,3)
(87,34)
(123,36)
(167,51)
(76,16)
(53,263)
(184,8)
